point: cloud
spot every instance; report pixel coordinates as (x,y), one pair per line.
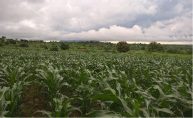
(110,20)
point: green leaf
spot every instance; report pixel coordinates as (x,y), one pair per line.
(105,96)
(49,114)
(102,113)
(163,110)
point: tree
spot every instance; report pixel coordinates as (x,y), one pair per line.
(154,47)
(7,42)
(46,47)
(64,46)
(160,48)
(24,45)
(1,43)
(122,46)
(11,41)
(54,48)
(2,39)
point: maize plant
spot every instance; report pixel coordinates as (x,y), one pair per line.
(98,84)
(61,109)
(3,102)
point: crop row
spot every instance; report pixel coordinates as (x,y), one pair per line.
(98,84)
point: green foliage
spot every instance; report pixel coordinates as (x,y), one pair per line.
(106,49)
(189,51)
(155,47)
(122,46)
(172,50)
(1,43)
(46,47)
(61,109)
(2,39)
(3,102)
(24,45)
(7,42)
(160,48)
(11,41)
(23,40)
(54,48)
(64,46)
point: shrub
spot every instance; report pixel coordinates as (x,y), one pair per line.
(122,46)
(160,48)
(54,48)
(7,42)
(106,49)
(2,39)
(143,48)
(64,46)
(24,45)
(12,41)
(154,47)
(189,51)
(1,44)
(176,51)
(46,47)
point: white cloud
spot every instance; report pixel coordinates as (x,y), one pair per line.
(97,20)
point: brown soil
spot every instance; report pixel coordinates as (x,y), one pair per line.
(32,103)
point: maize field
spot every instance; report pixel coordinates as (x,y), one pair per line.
(66,84)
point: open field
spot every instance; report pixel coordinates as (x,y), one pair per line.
(68,83)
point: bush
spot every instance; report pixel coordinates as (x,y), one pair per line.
(189,51)
(12,41)
(114,51)
(160,48)
(7,43)
(46,47)
(122,46)
(54,48)
(106,49)
(24,45)
(175,51)
(143,48)
(64,46)
(154,47)
(1,44)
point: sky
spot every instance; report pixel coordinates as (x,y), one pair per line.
(165,21)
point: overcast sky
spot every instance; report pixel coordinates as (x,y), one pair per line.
(104,20)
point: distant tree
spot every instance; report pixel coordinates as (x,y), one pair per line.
(122,46)
(46,47)
(143,48)
(160,48)
(189,51)
(11,41)
(54,48)
(173,50)
(23,40)
(24,45)
(2,39)
(7,42)
(154,47)
(1,43)
(106,49)
(64,46)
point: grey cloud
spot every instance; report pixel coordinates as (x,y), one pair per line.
(99,20)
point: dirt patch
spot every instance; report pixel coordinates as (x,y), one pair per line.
(33,101)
